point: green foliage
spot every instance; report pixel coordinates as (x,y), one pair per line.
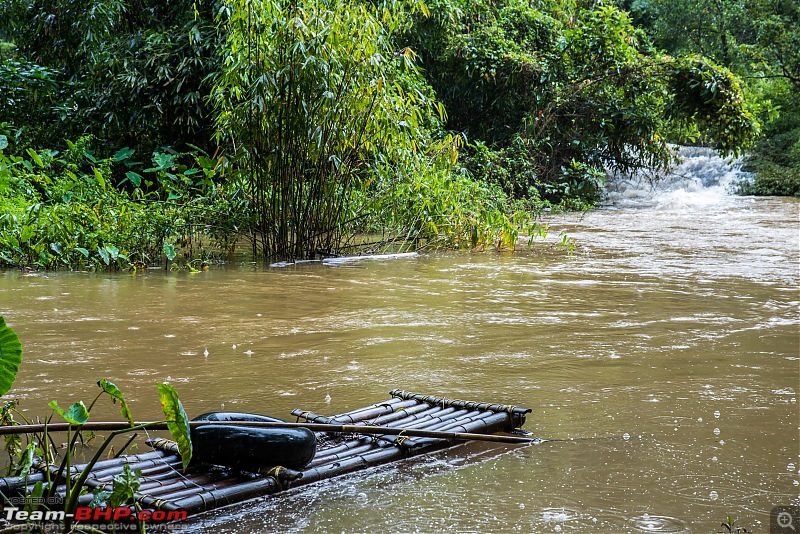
(712,102)
(123,487)
(177,421)
(435,204)
(62,210)
(10,358)
(134,73)
(33,97)
(318,99)
(730,526)
(758,41)
(77,414)
(559,91)
(116,396)
(7,49)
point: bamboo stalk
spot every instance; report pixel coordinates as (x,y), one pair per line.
(224,496)
(320,460)
(470,405)
(362,415)
(389,402)
(182,485)
(399,413)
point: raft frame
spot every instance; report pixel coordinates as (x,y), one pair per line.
(202,488)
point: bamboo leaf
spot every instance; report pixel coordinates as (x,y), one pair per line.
(10,357)
(116,395)
(177,421)
(35,157)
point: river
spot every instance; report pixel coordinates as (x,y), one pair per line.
(665,351)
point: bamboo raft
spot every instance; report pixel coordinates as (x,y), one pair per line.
(201,488)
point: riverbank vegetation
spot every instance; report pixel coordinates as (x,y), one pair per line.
(134,132)
(757,40)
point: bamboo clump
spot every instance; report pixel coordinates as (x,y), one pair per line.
(405,425)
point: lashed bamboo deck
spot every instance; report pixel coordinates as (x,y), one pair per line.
(202,488)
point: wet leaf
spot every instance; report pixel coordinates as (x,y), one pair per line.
(134,177)
(169,251)
(177,421)
(100,496)
(123,154)
(35,496)
(104,255)
(35,157)
(76,415)
(113,251)
(124,485)
(3,142)
(116,395)
(10,357)
(26,460)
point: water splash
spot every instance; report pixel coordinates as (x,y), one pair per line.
(702,178)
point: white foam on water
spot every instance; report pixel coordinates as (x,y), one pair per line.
(701,179)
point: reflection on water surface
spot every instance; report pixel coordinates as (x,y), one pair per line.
(667,345)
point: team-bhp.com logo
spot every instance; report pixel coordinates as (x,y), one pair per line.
(84,514)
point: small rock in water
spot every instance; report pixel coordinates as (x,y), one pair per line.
(717,414)
(234,346)
(713,495)
(626,436)
(328,398)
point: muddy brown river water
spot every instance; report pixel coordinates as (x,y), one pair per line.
(665,350)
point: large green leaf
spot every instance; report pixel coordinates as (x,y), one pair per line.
(116,395)
(123,154)
(134,177)
(104,255)
(177,421)
(76,415)
(10,357)
(124,486)
(169,251)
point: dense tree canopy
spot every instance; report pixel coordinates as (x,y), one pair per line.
(315,119)
(560,91)
(759,41)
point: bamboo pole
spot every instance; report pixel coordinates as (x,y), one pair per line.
(208,500)
(323,459)
(316,427)
(470,405)
(398,413)
(11,485)
(368,413)
(393,401)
